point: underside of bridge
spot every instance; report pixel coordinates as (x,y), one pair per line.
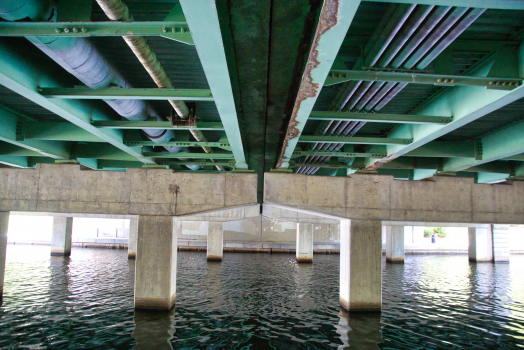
(409,88)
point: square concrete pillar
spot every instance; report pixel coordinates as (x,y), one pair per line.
(395,244)
(361,265)
(61,237)
(304,250)
(133,235)
(480,248)
(155,269)
(215,241)
(500,243)
(4,222)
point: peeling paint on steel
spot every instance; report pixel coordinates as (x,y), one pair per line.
(309,89)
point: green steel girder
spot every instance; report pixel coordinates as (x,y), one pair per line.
(7,149)
(297,154)
(340,76)
(184,155)
(58,132)
(322,165)
(201,163)
(413,163)
(15,161)
(464,103)
(378,117)
(131,124)
(23,77)
(497,167)
(497,145)
(96,29)
(100,151)
(489,4)
(398,174)
(334,21)
(356,140)
(202,19)
(518,157)
(10,125)
(178,144)
(484,178)
(107,164)
(445,149)
(117,93)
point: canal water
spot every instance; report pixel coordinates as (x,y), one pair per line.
(257,301)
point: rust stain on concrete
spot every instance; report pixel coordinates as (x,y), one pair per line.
(308,89)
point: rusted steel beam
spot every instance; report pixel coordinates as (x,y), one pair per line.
(334,21)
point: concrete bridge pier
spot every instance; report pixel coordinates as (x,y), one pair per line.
(61,236)
(4,222)
(360,265)
(480,248)
(133,236)
(395,244)
(304,250)
(215,241)
(156,260)
(500,243)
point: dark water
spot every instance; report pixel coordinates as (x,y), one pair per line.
(257,301)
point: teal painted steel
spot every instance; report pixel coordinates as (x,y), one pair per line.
(445,149)
(488,4)
(128,94)
(172,30)
(297,154)
(23,77)
(484,178)
(178,144)
(58,132)
(15,161)
(464,103)
(8,133)
(138,125)
(378,117)
(202,18)
(495,146)
(183,155)
(340,76)
(326,45)
(356,140)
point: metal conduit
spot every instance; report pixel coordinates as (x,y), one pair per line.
(117,10)
(447,31)
(81,59)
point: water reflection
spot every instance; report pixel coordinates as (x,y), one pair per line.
(257,301)
(154,329)
(359,330)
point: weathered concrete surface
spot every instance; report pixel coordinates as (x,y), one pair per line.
(67,189)
(376,197)
(395,244)
(500,243)
(156,258)
(215,241)
(480,247)
(360,265)
(304,250)
(133,236)
(61,236)
(4,223)
(225,214)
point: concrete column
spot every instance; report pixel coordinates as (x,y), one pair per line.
(133,235)
(304,248)
(500,243)
(480,247)
(61,238)
(361,265)
(4,222)
(155,271)
(395,244)
(215,241)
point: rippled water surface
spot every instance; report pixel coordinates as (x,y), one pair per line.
(257,301)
